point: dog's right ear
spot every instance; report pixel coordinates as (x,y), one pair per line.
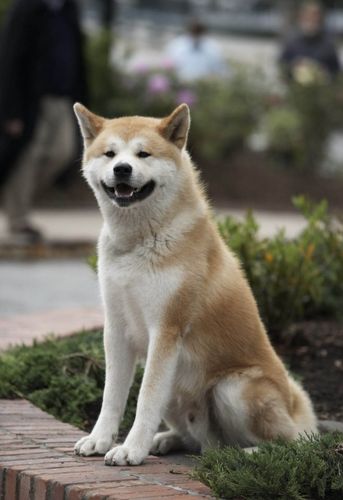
(90,124)
(175,127)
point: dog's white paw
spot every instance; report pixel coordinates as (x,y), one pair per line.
(93,445)
(125,455)
(164,442)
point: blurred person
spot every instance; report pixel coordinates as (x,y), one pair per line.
(310,53)
(42,73)
(194,55)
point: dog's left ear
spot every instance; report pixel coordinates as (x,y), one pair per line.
(175,127)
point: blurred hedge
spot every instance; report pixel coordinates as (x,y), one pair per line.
(291,124)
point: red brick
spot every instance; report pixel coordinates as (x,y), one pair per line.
(39,452)
(23,451)
(147,496)
(24,487)
(8,440)
(196,486)
(2,482)
(103,488)
(184,497)
(165,478)
(93,476)
(17,446)
(10,484)
(96,496)
(56,491)
(61,438)
(155,468)
(40,488)
(59,471)
(19,464)
(69,450)
(20,458)
(149,491)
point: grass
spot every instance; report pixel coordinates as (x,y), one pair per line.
(64,377)
(303,469)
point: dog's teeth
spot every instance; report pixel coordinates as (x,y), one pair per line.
(124,195)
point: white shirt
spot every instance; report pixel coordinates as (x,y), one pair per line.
(195,58)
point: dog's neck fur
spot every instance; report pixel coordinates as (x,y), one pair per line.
(158,224)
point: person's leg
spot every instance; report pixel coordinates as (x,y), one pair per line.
(52,146)
(21,184)
(62,140)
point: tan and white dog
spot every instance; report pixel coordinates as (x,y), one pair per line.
(175,295)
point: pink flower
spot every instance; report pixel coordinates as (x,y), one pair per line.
(158,84)
(141,67)
(167,64)
(186,96)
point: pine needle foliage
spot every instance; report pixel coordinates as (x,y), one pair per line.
(64,377)
(306,469)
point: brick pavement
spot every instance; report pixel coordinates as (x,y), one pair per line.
(25,328)
(37,463)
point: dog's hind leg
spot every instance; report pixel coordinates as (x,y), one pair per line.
(252,410)
(178,436)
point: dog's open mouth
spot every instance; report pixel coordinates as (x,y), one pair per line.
(125,194)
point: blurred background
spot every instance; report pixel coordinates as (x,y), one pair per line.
(264,84)
(258,134)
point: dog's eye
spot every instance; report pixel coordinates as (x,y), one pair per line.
(143,154)
(110,154)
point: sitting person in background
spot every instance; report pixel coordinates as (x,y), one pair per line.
(310,54)
(194,55)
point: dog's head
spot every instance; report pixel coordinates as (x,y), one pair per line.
(131,160)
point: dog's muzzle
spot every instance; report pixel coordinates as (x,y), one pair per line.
(123,192)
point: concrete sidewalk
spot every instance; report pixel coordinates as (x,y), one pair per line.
(61,296)
(62,225)
(44,297)
(85,224)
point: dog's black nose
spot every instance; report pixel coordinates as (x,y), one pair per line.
(122,171)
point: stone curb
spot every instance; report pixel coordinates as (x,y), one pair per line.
(37,463)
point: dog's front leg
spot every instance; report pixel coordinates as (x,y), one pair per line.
(120,363)
(153,398)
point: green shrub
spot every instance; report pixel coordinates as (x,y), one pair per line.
(298,124)
(292,279)
(282,126)
(303,469)
(64,377)
(225,115)
(104,80)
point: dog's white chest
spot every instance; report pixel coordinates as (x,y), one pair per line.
(143,294)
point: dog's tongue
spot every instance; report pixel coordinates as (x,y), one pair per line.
(124,190)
